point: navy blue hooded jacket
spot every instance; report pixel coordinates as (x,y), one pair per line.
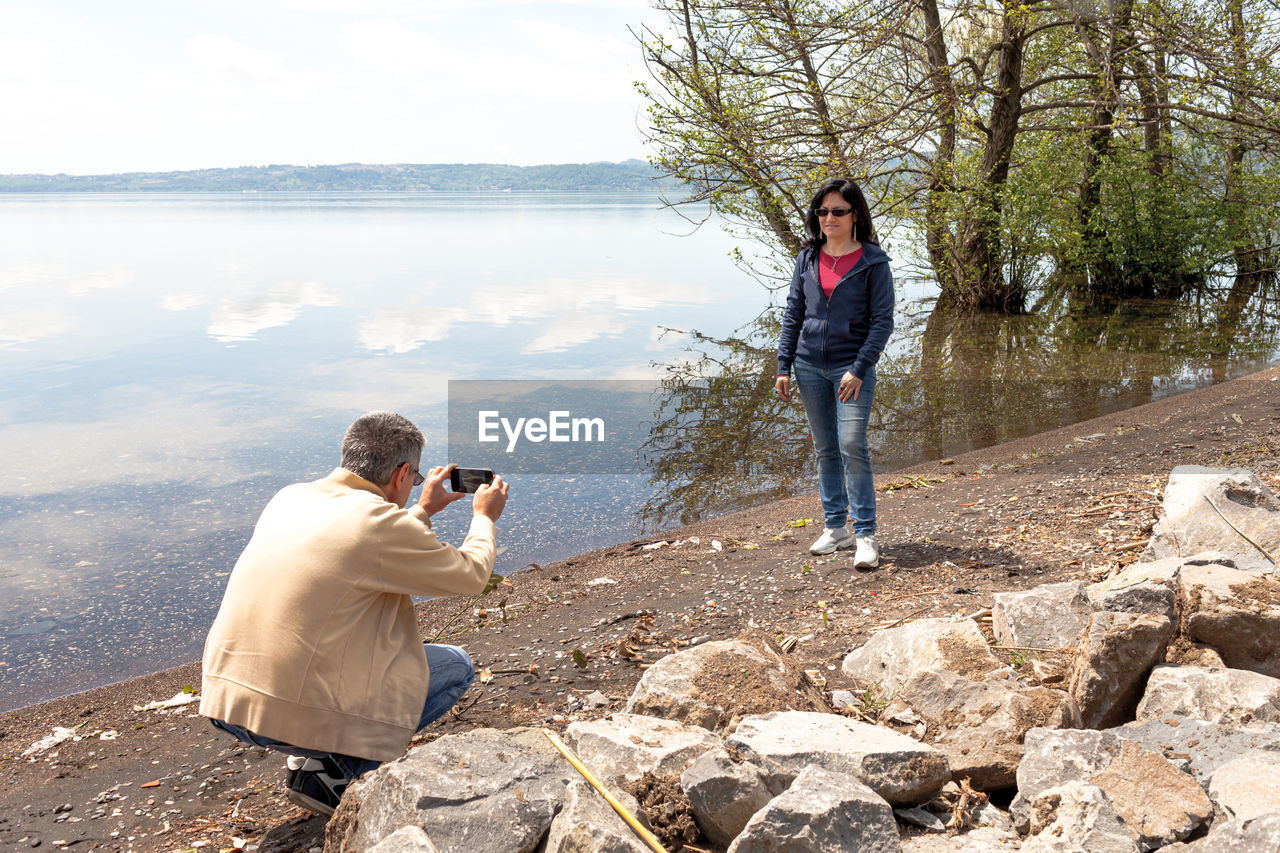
(849,329)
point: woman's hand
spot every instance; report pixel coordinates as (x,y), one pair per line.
(783,387)
(850,385)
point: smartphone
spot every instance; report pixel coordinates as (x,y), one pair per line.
(469,479)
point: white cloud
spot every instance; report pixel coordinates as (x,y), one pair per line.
(393,48)
(579,312)
(31,323)
(639,371)
(110,89)
(574,328)
(182,301)
(221,57)
(425,8)
(404,330)
(241,318)
(364,384)
(102,280)
(365,7)
(573,46)
(150,437)
(662,339)
(42,297)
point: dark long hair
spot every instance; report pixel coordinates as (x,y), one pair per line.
(863,230)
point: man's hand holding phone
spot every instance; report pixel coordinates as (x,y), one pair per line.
(490,490)
(434,495)
(491,498)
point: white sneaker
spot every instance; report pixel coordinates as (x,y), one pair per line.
(868,554)
(832,539)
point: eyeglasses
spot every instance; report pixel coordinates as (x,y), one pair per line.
(834,211)
(418,479)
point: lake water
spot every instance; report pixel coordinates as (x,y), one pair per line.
(167,362)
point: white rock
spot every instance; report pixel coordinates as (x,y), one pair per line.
(1248,787)
(980,725)
(1056,757)
(713,684)
(588,824)
(891,657)
(406,839)
(921,818)
(992,816)
(899,769)
(1048,616)
(1259,835)
(984,839)
(1076,818)
(482,790)
(844,699)
(1198,747)
(724,794)
(626,746)
(1110,666)
(1237,613)
(1159,803)
(1231,696)
(1189,524)
(822,812)
(1139,588)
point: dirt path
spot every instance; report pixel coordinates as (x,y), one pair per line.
(1074,503)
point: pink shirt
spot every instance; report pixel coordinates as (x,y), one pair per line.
(831,270)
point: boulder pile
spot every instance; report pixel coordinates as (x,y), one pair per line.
(1143,713)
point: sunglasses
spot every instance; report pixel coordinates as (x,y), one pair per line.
(418,479)
(834,211)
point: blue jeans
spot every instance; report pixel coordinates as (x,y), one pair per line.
(840,441)
(451,675)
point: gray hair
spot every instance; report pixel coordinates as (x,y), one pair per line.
(378,443)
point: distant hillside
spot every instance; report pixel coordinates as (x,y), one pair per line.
(628,176)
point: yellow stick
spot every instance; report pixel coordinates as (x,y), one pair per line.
(1271,559)
(654,844)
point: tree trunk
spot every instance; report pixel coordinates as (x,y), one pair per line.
(1106,282)
(1255,264)
(939,239)
(981,284)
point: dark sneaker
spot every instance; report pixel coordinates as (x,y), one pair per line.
(315,784)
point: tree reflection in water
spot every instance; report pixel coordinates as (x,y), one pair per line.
(721,440)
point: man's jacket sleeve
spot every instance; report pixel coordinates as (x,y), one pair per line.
(412,561)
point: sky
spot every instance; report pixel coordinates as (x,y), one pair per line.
(95,88)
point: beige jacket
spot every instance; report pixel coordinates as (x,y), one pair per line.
(316,643)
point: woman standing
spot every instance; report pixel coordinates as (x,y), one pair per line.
(838,318)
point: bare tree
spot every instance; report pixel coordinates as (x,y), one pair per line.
(970,120)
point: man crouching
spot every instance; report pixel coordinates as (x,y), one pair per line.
(315,651)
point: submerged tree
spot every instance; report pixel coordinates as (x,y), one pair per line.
(1125,148)
(720,439)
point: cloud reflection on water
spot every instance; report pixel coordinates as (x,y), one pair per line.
(144,436)
(578,312)
(41,299)
(242,317)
